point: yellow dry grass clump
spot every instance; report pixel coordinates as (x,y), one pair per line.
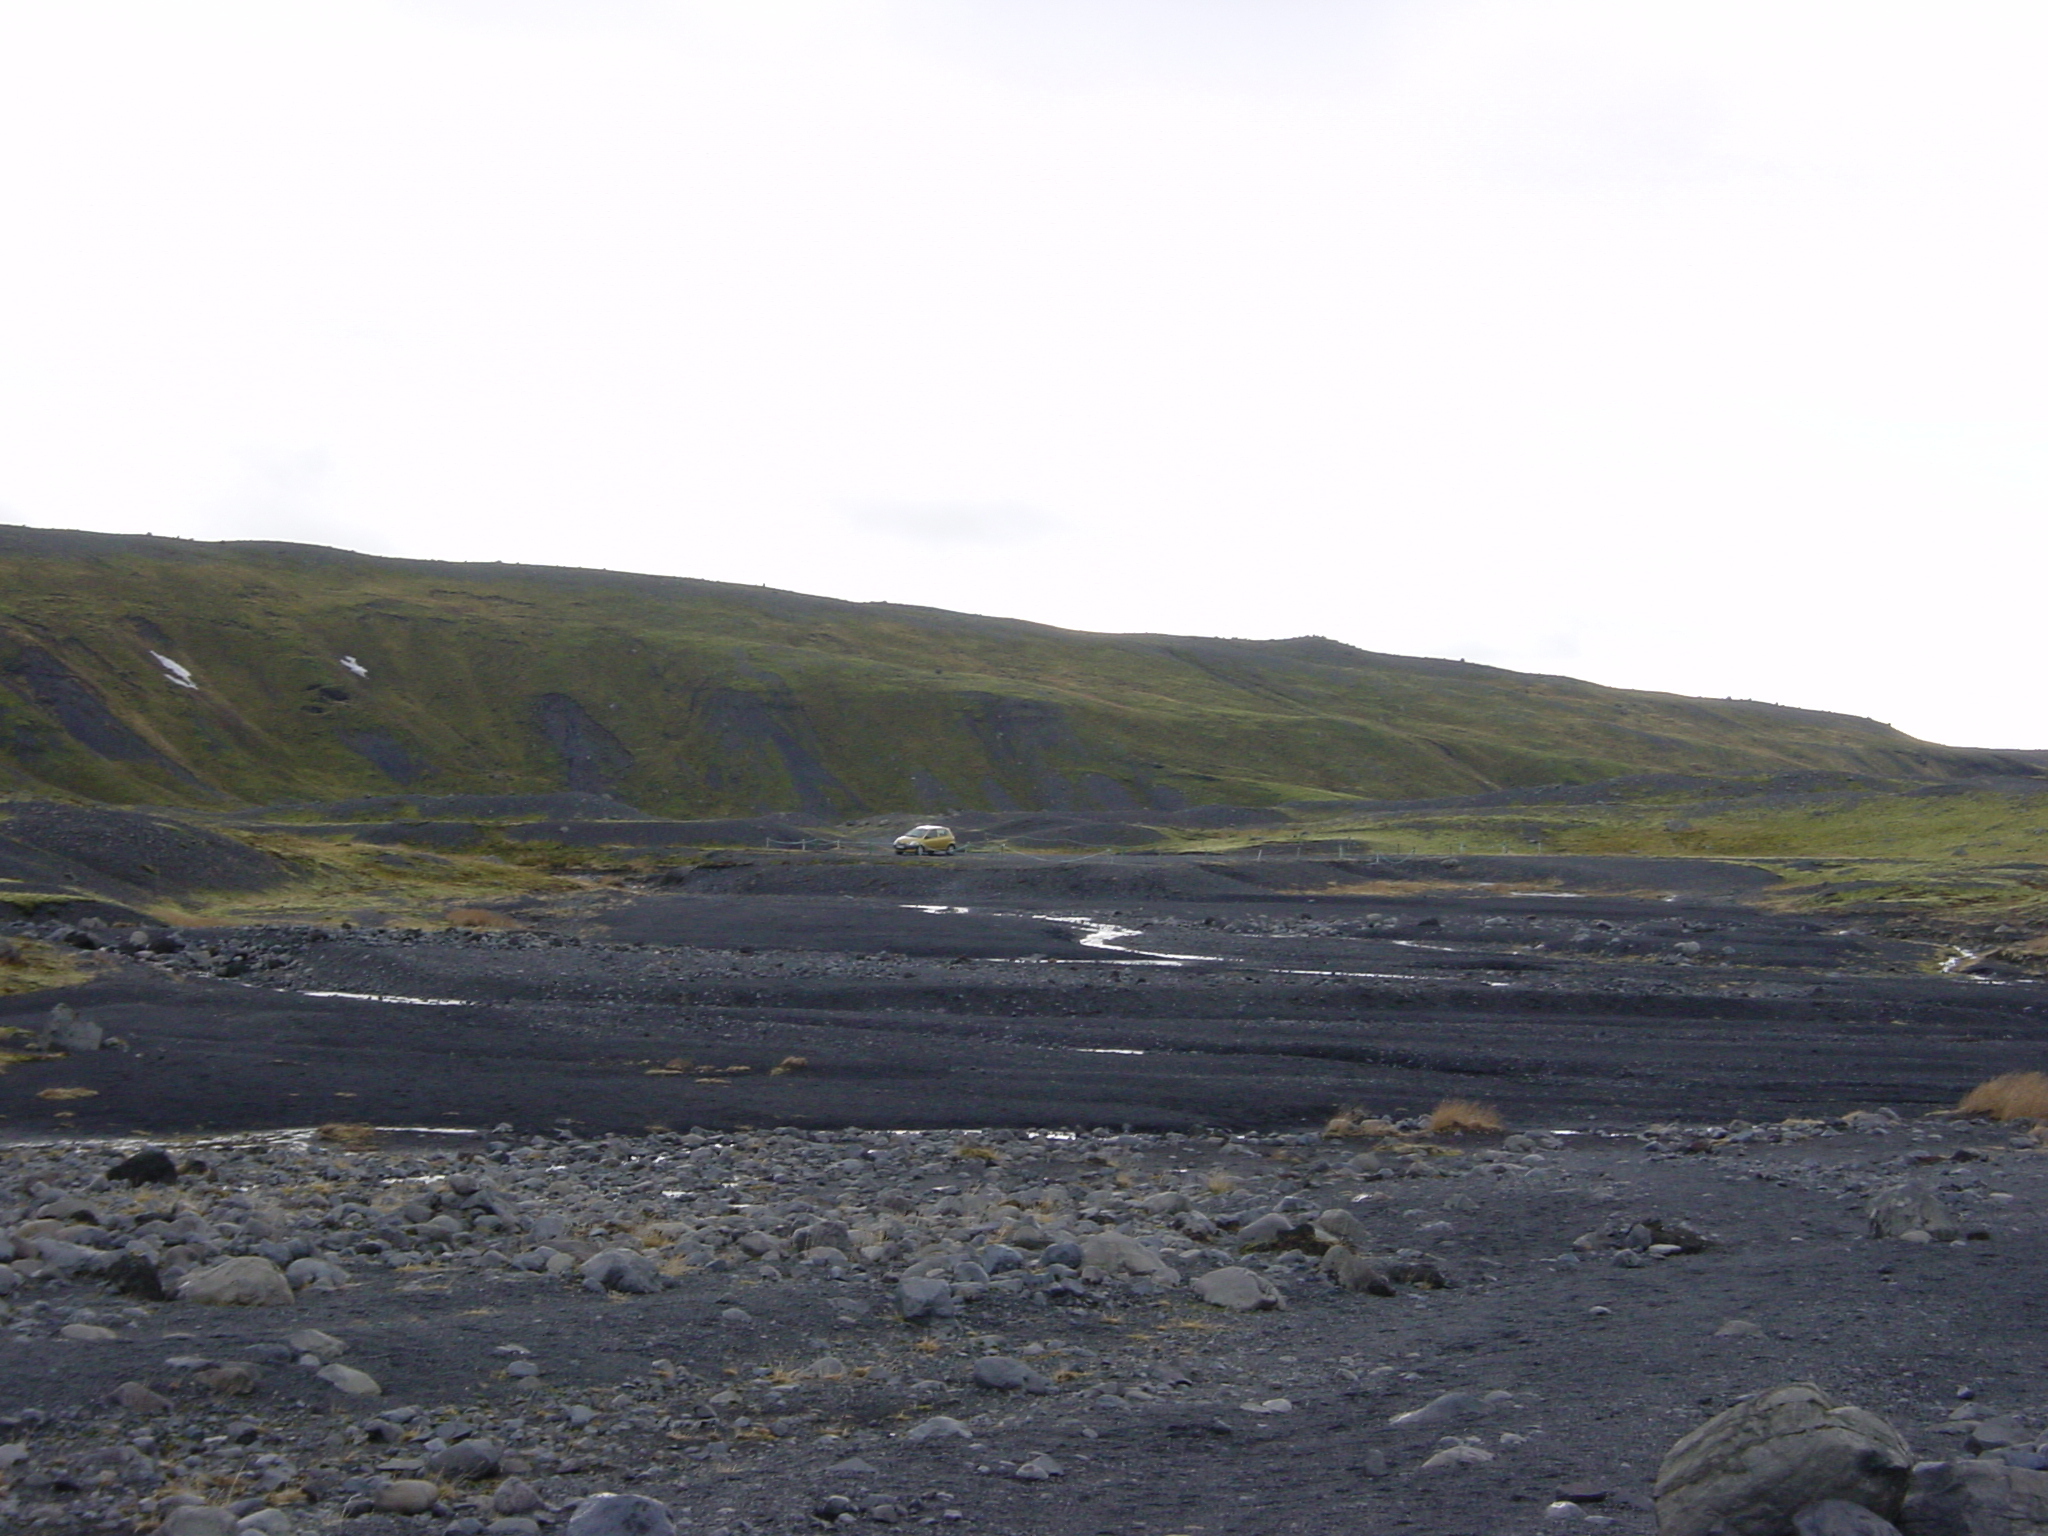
(2014,1096)
(345,1133)
(29,966)
(1461,1117)
(789,1064)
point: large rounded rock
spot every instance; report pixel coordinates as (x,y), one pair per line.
(247,1281)
(1748,1471)
(620,1514)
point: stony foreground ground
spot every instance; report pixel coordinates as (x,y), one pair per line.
(756,1372)
(593,1266)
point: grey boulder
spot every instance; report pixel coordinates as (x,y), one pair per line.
(924,1296)
(1838,1517)
(66,1031)
(1340,1226)
(620,1269)
(1355,1272)
(999,1373)
(1238,1290)
(199,1520)
(1117,1253)
(1912,1207)
(246,1281)
(1975,1498)
(1447,1408)
(465,1461)
(1747,1471)
(620,1514)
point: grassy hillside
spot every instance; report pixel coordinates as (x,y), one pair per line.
(694,698)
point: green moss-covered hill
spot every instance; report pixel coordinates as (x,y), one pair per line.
(701,699)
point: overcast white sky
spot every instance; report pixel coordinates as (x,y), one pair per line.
(1694,346)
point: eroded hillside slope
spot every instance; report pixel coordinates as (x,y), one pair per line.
(139,669)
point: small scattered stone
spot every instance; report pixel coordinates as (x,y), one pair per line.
(152,1165)
(231,1380)
(137,1398)
(620,1269)
(465,1461)
(999,1373)
(1912,1207)
(1117,1253)
(515,1497)
(199,1520)
(1454,1456)
(347,1379)
(921,1296)
(1355,1272)
(407,1496)
(1447,1408)
(311,1341)
(1238,1290)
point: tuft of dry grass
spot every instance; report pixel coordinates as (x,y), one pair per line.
(975,1152)
(679,1066)
(789,1064)
(1219,1183)
(1463,1117)
(2013,1096)
(68,1093)
(1351,1121)
(345,1133)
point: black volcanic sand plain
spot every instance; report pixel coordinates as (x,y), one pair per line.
(984,1040)
(1157,993)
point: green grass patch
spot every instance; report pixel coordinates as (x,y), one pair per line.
(29,965)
